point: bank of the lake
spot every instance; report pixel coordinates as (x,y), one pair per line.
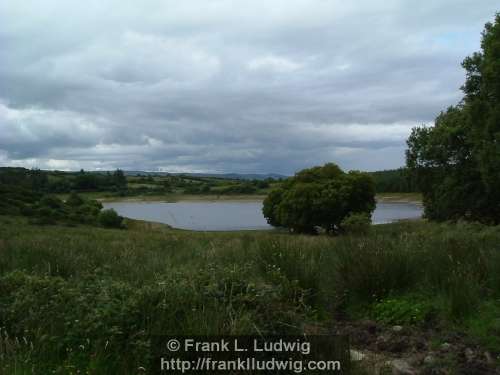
(414,198)
(173,198)
(170,198)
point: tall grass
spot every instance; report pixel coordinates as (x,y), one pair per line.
(89,298)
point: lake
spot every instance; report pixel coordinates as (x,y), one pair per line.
(231,215)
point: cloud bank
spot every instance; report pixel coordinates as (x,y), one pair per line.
(227,86)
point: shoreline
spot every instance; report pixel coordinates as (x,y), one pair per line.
(184,198)
(413,198)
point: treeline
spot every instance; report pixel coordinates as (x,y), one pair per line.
(28,193)
(394,181)
(118,184)
(184,184)
(391,181)
(227,187)
(57,182)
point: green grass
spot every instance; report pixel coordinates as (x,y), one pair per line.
(88,298)
(486,324)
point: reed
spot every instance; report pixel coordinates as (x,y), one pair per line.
(88,298)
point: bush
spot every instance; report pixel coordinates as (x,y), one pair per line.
(52,202)
(110,219)
(44,216)
(91,208)
(74,200)
(27,211)
(356,223)
(197,189)
(319,197)
(403,310)
(244,188)
(45,212)
(99,319)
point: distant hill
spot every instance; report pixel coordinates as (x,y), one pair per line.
(228,176)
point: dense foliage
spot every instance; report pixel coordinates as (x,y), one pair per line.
(22,193)
(457,162)
(85,181)
(319,197)
(394,181)
(110,219)
(48,209)
(357,223)
(118,184)
(87,300)
(56,182)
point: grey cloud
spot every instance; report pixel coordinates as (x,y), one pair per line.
(224,86)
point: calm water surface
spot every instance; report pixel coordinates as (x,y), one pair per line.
(220,216)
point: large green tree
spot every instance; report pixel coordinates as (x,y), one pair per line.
(319,197)
(119,179)
(457,161)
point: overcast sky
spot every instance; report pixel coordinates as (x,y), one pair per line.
(225,85)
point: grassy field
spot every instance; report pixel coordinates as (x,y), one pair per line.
(88,299)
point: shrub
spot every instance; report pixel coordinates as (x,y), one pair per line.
(27,211)
(44,217)
(91,208)
(74,200)
(110,219)
(197,189)
(356,223)
(74,218)
(51,201)
(402,310)
(244,188)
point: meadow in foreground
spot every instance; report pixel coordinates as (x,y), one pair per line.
(85,298)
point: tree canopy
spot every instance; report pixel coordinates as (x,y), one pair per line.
(319,197)
(393,181)
(457,161)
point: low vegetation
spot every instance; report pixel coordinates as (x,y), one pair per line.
(45,209)
(110,219)
(89,299)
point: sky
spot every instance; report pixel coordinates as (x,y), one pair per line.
(261,86)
